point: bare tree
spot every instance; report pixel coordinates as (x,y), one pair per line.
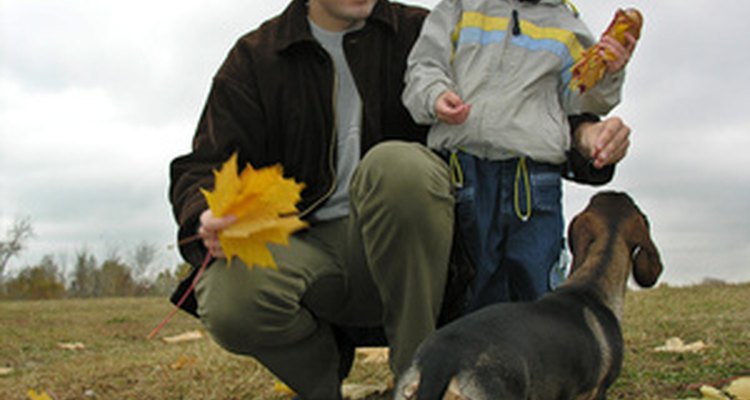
(85,281)
(144,254)
(14,241)
(116,279)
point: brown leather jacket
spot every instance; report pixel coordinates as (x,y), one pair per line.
(272,102)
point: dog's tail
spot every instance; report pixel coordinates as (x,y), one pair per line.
(434,383)
(427,381)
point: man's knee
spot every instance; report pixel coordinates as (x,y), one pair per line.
(405,175)
(243,319)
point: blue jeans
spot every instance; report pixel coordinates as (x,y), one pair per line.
(513,246)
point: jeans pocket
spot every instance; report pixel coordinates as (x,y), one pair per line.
(546,191)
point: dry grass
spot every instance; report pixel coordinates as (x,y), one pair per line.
(719,315)
(119,363)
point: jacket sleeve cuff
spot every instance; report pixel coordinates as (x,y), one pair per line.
(579,168)
(191,248)
(433,92)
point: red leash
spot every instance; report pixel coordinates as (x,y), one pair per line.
(184,296)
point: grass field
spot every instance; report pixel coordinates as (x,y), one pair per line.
(110,358)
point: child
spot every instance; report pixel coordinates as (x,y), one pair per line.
(492,76)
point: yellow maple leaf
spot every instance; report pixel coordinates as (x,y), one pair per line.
(265,206)
(34,395)
(282,388)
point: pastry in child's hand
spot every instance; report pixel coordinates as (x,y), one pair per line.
(591,68)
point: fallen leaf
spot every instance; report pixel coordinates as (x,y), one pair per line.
(184,337)
(712,393)
(71,346)
(183,361)
(676,345)
(740,388)
(5,371)
(264,204)
(33,395)
(352,391)
(373,355)
(281,388)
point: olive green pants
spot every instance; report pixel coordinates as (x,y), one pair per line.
(384,265)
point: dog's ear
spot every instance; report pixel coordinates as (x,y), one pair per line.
(647,264)
(580,236)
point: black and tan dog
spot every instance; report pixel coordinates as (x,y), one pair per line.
(566,345)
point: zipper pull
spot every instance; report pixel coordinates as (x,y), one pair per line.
(516,24)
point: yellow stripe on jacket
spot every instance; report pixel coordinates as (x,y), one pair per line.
(484,29)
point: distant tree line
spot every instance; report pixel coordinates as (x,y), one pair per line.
(113,277)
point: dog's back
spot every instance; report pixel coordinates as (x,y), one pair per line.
(540,350)
(566,345)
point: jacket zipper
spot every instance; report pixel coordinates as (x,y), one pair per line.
(516,23)
(332,149)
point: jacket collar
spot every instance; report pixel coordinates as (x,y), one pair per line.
(553,2)
(545,2)
(294,28)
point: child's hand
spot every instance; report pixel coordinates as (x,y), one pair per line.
(449,108)
(614,54)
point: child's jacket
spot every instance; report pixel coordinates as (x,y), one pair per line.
(511,61)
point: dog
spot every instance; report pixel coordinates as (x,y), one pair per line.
(566,345)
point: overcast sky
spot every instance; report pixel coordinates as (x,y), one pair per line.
(97,97)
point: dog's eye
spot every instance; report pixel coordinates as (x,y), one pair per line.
(635,251)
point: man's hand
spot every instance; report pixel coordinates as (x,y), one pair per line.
(449,108)
(209,231)
(605,142)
